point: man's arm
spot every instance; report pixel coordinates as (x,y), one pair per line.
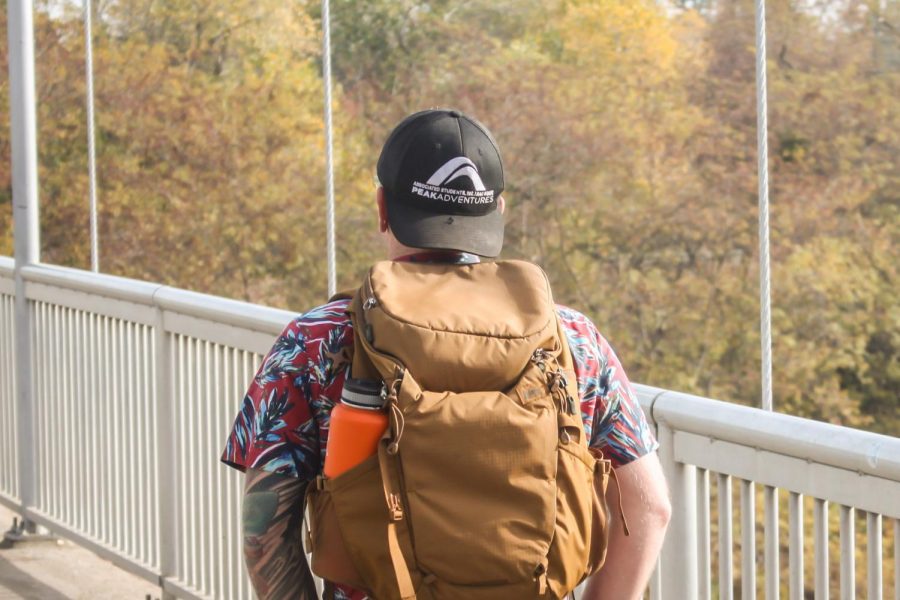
(630,559)
(272,524)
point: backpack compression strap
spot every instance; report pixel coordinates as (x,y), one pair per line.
(395,509)
(364,367)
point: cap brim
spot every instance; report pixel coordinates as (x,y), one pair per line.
(481,235)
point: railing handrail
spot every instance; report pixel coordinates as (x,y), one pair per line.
(835,445)
(205,306)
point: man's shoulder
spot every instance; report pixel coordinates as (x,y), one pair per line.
(326,321)
(575,322)
(330,314)
(589,347)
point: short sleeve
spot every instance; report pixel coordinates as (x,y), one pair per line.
(279,424)
(613,419)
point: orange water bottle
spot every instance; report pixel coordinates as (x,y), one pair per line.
(357,423)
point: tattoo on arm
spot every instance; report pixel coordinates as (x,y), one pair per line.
(272,523)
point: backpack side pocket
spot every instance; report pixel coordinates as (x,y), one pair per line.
(599,514)
(331,559)
(569,553)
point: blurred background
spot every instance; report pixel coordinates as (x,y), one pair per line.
(628,130)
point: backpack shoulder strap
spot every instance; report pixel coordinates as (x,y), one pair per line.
(367,364)
(343,295)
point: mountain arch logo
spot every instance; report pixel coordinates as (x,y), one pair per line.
(454,169)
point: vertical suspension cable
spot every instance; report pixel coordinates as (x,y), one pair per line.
(762,127)
(92,161)
(329,148)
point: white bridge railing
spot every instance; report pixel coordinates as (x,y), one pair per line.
(134,387)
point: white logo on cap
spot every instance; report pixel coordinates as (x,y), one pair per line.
(454,169)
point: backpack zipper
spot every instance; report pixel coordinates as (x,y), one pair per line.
(556,381)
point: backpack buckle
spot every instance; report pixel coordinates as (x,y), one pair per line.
(395,507)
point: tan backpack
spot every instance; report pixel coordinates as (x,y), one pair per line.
(483,487)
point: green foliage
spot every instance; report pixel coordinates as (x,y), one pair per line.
(629,136)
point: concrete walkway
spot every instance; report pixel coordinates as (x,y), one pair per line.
(60,570)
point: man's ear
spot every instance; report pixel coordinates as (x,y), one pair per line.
(501,204)
(382,209)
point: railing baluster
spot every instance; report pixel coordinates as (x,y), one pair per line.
(42,363)
(115,431)
(748,539)
(6,457)
(63,418)
(230,399)
(726,574)
(704,561)
(848,553)
(773,568)
(5,417)
(873,552)
(136,426)
(123,402)
(795,556)
(84,422)
(128,428)
(167,430)
(6,428)
(181,491)
(184,531)
(251,359)
(218,425)
(68,349)
(820,525)
(205,456)
(103,457)
(143,474)
(109,480)
(896,558)
(654,591)
(91,432)
(50,394)
(193,478)
(148,452)
(7,401)
(85,407)
(78,421)
(190,575)
(54,408)
(137,466)
(155,493)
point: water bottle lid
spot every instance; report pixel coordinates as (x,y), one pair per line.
(362,393)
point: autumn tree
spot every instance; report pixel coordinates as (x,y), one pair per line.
(628,130)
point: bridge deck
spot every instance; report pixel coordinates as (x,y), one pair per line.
(60,570)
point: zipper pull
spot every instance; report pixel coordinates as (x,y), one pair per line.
(570,404)
(538,358)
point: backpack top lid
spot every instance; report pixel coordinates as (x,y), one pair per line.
(460,327)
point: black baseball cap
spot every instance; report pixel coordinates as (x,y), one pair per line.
(442,176)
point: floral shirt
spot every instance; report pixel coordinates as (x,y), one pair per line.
(282,424)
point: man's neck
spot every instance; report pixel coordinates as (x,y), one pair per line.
(439,256)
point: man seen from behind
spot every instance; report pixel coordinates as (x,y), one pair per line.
(439,203)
